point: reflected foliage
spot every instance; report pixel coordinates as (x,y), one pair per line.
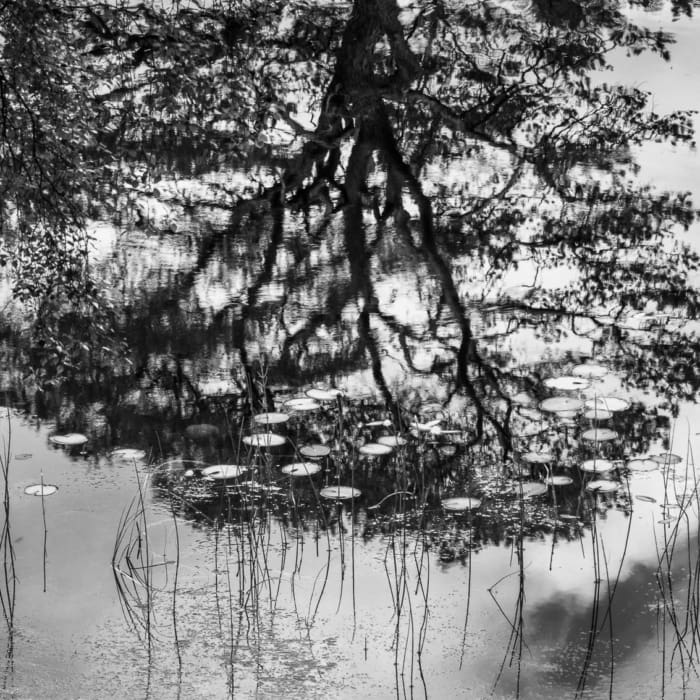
(340,194)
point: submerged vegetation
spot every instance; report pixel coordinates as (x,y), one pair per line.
(354,287)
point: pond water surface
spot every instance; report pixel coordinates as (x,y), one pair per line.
(517,421)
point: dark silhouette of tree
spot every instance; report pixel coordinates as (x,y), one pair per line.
(450,143)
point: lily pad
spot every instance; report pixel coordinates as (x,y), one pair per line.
(648,499)
(392,440)
(537,457)
(302,404)
(314,451)
(460,504)
(597,414)
(69,439)
(301,469)
(221,472)
(566,383)
(339,493)
(561,403)
(264,440)
(558,480)
(603,486)
(375,449)
(599,434)
(40,489)
(642,465)
(666,458)
(608,403)
(597,466)
(128,454)
(323,394)
(271,418)
(590,371)
(531,489)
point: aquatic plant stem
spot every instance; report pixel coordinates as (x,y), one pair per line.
(175,582)
(46,531)
(8,592)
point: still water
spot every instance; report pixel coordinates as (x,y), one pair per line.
(510,416)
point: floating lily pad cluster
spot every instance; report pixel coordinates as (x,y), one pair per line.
(317,447)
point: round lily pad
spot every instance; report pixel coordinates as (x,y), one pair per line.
(537,457)
(460,504)
(566,383)
(597,466)
(392,440)
(589,370)
(642,465)
(40,489)
(302,404)
(314,451)
(128,454)
(530,489)
(264,440)
(608,403)
(339,493)
(666,458)
(560,403)
(69,439)
(270,418)
(599,434)
(219,472)
(375,449)
(603,486)
(597,414)
(301,469)
(323,394)
(558,480)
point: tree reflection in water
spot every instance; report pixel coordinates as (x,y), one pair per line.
(439,206)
